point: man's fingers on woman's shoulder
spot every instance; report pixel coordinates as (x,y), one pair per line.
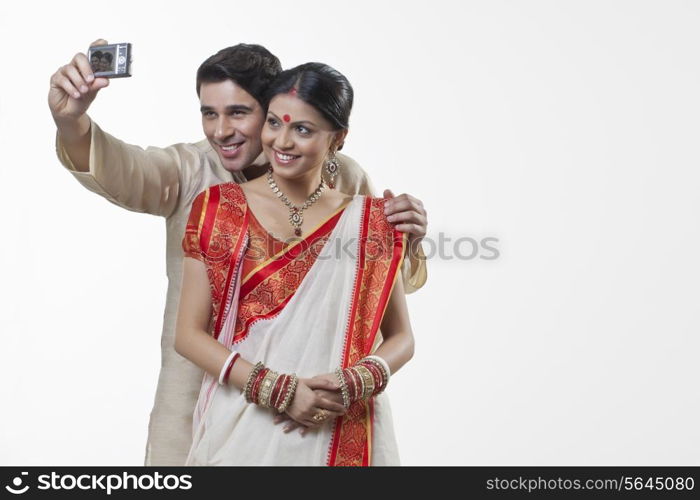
(403,205)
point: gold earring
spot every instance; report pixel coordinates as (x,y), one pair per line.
(332,168)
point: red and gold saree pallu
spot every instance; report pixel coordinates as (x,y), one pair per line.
(312,307)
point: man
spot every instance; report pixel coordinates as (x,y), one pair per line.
(96,60)
(164,181)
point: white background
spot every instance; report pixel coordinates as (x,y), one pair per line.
(567,130)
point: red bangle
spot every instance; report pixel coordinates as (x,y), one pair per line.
(256,384)
(276,390)
(380,378)
(230,365)
(357,385)
(380,369)
(376,375)
(349,385)
(284,390)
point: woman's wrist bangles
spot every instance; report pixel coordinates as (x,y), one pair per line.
(367,378)
(270,389)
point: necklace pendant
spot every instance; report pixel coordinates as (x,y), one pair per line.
(296,219)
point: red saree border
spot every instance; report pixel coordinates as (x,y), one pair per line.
(222,234)
(397,258)
(351,441)
(364,225)
(229,278)
(339,422)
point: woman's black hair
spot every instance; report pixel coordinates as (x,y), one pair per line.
(319,85)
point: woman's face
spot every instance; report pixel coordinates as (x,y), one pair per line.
(296,138)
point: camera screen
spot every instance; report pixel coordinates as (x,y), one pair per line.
(102,59)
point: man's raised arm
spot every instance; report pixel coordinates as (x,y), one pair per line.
(132,178)
(73,88)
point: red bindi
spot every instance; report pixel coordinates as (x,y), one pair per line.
(286,118)
(293,91)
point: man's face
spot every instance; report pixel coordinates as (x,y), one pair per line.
(232,121)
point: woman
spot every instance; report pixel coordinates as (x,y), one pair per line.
(294,280)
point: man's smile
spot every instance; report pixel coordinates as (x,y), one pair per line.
(230,150)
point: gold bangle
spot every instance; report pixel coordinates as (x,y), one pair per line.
(367,381)
(343,387)
(290,394)
(266,386)
(249,383)
(385,376)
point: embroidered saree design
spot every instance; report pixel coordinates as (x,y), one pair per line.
(269,287)
(247,308)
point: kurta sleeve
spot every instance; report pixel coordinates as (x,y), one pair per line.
(354,180)
(191,242)
(139,180)
(415,271)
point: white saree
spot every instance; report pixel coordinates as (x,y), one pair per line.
(307,337)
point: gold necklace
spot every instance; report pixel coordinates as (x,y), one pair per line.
(295,217)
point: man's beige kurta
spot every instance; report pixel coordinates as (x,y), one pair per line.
(165,181)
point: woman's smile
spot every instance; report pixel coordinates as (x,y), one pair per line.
(285,159)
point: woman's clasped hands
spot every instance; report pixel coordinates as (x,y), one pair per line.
(318,397)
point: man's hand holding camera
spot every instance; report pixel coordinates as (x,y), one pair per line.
(74,87)
(72,90)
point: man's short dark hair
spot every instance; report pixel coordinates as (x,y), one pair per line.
(251,66)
